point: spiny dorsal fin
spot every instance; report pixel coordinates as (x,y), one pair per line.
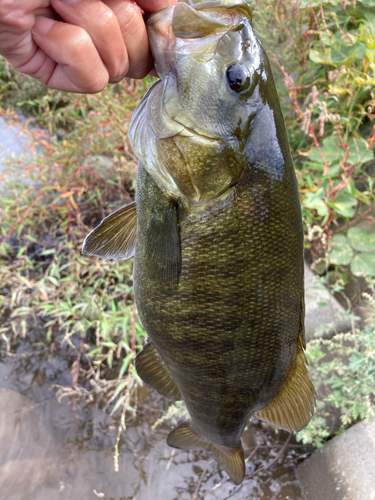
(293,406)
(163,246)
(115,236)
(232,461)
(153,371)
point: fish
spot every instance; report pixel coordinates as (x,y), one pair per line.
(216,234)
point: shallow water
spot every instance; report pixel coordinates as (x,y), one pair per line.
(12,144)
(51,451)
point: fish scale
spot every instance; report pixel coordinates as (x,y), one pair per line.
(212,303)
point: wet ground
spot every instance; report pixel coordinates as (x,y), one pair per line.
(53,451)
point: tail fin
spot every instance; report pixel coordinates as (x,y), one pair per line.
(232,461)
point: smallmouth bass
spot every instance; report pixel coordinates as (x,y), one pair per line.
(216,233)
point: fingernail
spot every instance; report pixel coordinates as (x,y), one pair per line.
(42,26)
(69,1)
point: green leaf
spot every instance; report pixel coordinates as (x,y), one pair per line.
(344,204)
(321,56)
(125,364)
(361,240)
(119,402)
(305,3)
(341,253)
(343,54)
(331,151)
(370,18)
(109,344)
(93,351)
(120,388)
(363,264)
(359,152)
(316,202)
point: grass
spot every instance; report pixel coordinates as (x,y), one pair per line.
(51,199)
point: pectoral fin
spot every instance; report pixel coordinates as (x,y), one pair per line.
(232,461)
(115,236)
(153,371)
(293,406)
(163,246)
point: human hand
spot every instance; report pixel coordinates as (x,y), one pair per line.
(77,45)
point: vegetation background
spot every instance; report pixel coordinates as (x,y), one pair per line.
(80,168)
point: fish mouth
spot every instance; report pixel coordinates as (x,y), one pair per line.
(220,4)
(198,20)
(189,19)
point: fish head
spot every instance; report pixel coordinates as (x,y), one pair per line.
(211,59)
(191,132)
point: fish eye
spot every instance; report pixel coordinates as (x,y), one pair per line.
(238,77)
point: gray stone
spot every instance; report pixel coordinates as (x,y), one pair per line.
(323,313)
(99,163)
(344,468)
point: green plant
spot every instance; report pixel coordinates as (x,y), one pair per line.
(356,249)
(328,70)
(344,368)
(176,413)
(51,198)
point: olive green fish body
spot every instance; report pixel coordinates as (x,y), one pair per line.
(228,332)
(216,233)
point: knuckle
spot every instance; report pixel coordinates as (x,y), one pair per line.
(98,85)
(141,68)
(139,73)
(116,79)
(13,17)
(126,14)
(106,16)
(121,70)
(92,82)
(81,45)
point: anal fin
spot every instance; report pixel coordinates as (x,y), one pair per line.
(153,371)
(293,406)
(232,461)
(114,238)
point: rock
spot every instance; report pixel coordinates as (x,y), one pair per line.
(99,163)
(328,318)
(344,468)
